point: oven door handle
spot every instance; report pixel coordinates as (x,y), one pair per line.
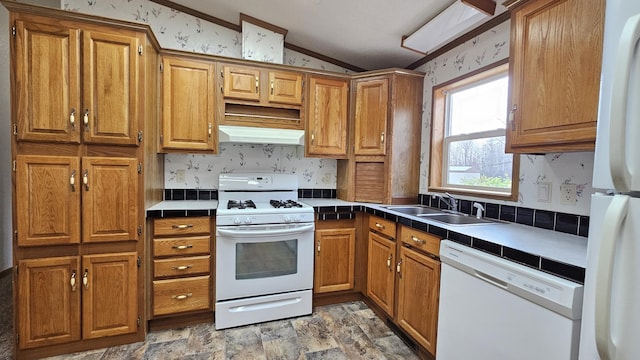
(295,230)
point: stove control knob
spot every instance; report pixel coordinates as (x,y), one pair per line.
(237,221)
(287,219)
(247,220)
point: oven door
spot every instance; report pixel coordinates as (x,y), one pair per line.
(263,259)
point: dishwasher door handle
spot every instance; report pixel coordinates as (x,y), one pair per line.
(490,279)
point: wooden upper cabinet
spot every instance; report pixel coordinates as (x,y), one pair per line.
(48,200)
(418,296)
(109,183)
(335,260)
(48,312)
(326,130)
(285,87)
(47,81)
(241,83)
(188,104)
(264,86)
(49,61)
(556,56)
(372,98)
(111,87)
(110,296)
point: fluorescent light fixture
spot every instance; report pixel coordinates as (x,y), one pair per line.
(446,26)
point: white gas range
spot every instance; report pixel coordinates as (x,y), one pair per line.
(264,250)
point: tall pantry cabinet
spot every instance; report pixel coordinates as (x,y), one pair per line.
(84,159)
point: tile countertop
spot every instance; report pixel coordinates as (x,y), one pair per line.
(554,245)
(532,245)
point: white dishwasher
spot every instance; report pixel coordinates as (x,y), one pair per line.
(495,309)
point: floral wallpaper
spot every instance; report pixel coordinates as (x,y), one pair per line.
(547,170)
(201,171)
(261,44)
(176,30)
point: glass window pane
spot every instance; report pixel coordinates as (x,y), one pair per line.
(480,162)
(479,108)
(277,258)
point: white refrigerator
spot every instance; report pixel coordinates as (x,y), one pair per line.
(611,311)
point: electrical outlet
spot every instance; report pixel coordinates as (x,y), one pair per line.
(568,194)
(180,175)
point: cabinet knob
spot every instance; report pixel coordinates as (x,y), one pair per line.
(182,267)
(72,180)
(182,297)
(389,261)
(210,129)
(85,279)
(398,266)
(382,137)
(85,119)
(182,226)
(257,84)
(379,226)
(85,180)
(418,240)
(73,280)
(512,115)
(182,247)
(72,118)
(271,87)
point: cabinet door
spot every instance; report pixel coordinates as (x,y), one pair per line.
(187,104)
(111,110)
(48,200)
(381,271)
(241,83)
(285,87)
(109,294)
(327,117)
(556,57)
(47,82)
(109,199)
(372,98)
(418,291)
(335,260)
(48,304)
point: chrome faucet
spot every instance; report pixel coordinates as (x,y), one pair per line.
(448,199)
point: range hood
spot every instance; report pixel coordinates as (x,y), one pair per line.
(257,135)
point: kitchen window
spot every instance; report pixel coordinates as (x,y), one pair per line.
(468,136)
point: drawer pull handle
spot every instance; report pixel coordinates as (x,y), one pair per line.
(418,241)
(182,297)
(182,267)
(379,226)
(183,226)
(182,247)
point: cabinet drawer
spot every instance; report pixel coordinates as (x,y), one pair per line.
(181,246)
(420,240)
(182,226)
(181,295)
(192,265)
(384,226)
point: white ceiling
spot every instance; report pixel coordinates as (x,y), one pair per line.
(364,33)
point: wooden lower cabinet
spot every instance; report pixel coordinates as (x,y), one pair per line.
(51,291)
(403,278)
(418,290)
(335,260)
(181,281)
(381,274)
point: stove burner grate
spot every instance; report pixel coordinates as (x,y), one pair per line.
(284,204)
(240,204)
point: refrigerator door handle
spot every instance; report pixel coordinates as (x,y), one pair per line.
(620,173)
(612,226)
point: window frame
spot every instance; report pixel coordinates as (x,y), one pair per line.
(438,159)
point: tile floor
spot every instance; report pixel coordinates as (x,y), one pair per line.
(341,331)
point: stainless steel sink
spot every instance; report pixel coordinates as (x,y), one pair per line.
(414,210)
(455,219)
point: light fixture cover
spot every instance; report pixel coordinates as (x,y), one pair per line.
(446,26)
